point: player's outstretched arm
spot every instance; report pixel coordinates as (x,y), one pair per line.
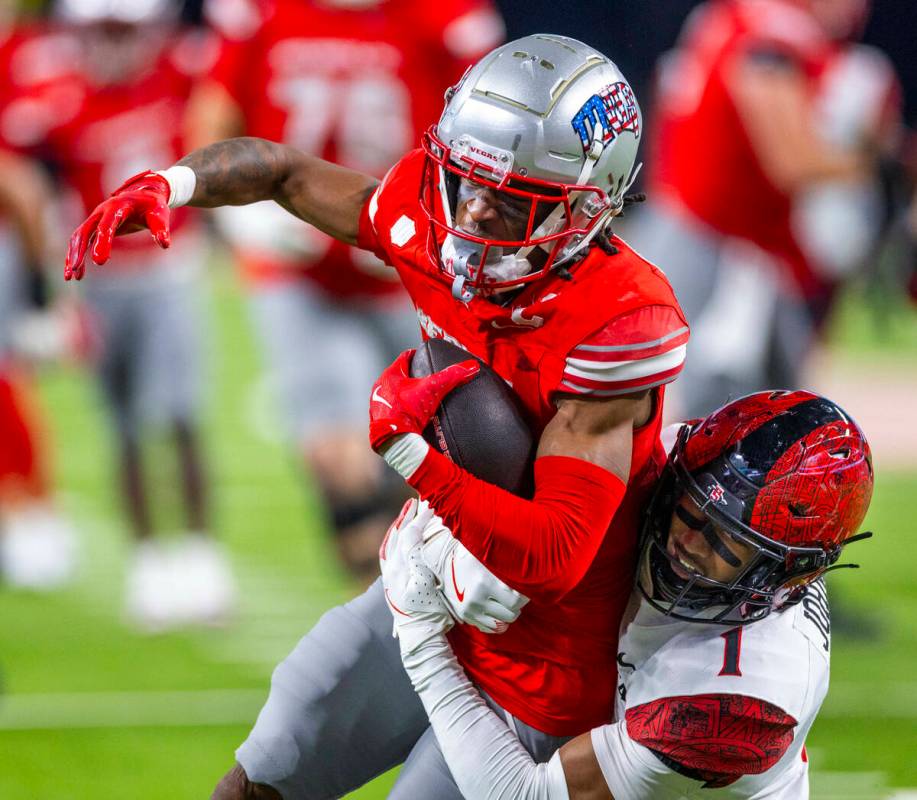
(239,171)
(231,172)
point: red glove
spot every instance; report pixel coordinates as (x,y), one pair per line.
(401,404)
(141,202)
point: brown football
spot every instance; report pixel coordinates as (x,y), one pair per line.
(480,425)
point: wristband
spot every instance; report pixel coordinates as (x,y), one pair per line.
(182,181)
(406,454)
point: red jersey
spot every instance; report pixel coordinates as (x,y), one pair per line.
(615,328)
(42,87)
(355,86)
(702,156)
(103,134)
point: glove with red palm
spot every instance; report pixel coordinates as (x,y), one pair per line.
(141,202)
(401,404)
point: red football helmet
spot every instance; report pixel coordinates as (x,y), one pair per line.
(788,475)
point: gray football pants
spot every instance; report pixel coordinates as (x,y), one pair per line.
(341,711)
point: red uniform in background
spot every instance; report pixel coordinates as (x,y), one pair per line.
(702,156)
(758,218)
(353,85)
(38,547)
(615,328)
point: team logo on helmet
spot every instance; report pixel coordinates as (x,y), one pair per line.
(717,494)
(614,109)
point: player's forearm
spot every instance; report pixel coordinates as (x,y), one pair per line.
(246,170)
(25,196)
(541,547)
(238,171)
(485,758)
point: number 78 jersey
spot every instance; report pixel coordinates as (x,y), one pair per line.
(710,711)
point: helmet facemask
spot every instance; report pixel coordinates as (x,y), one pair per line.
(773,576)
(550,221)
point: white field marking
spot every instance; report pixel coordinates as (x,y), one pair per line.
(130,709)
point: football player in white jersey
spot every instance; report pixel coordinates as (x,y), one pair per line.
(724,652)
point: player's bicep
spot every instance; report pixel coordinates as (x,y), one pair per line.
(582,772)
(600,431)
(326,195)
(764,89)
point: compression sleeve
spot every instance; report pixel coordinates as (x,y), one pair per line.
(541,547)
(631,770)
(486,759)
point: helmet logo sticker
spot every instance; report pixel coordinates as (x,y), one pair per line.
(717,494)
(614,109)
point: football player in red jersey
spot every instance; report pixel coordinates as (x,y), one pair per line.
(499,229)
(724,650)
(759,109)
(294,71)
(37,544)
(121,78)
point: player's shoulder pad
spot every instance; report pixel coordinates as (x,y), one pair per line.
(772,660)
(636,350)
(393,210)
(398,191)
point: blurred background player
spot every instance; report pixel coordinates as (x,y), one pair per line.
(770,129)
(353,81)
(37,545)
(117,97)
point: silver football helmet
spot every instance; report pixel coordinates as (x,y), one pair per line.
(552,126)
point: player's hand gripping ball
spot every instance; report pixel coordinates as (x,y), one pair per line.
(141,202)
(472,593)
(402,404)
(418,611)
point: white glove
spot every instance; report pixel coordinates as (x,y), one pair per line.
(417,608)
(473,594)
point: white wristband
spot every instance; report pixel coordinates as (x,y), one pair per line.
(182,181)
(406,454)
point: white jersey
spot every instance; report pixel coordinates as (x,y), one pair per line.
(709,711)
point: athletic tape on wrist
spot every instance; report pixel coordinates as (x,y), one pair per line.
(406,454)
(182,181)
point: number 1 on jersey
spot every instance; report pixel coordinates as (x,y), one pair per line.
(733,650)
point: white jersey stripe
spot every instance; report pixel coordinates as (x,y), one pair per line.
(615,392)
(617,348)
(615,371)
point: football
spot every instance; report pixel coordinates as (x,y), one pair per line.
(480,425)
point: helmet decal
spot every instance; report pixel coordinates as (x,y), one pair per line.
(614,109)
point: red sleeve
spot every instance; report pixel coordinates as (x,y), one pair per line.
(716,738)
(634,351)
(541,547)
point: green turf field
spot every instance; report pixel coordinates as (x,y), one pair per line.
(91,710)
